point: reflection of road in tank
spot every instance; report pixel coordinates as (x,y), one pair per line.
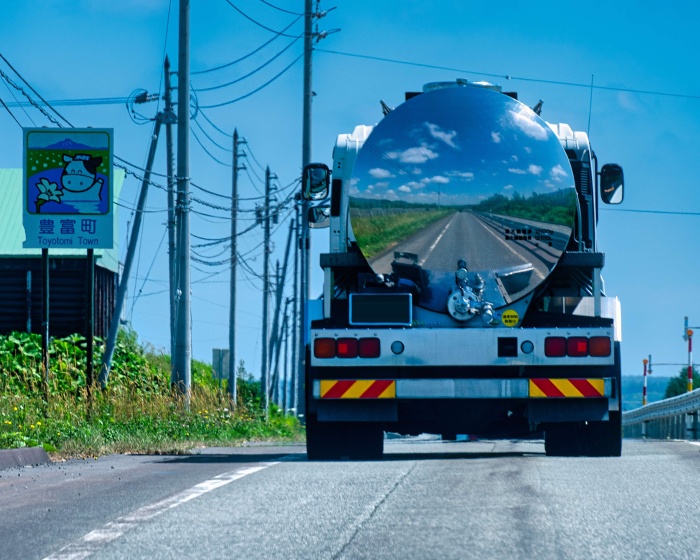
(482,244)
(418,244)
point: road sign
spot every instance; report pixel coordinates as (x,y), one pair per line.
(68,188)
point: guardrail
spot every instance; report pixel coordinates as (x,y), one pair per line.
(675,418)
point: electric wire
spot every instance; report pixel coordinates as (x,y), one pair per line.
(206,150)
(281,9)
(148,273)
(508,77)
(252,72)
(228,150)
(12,93)
(10,112)
(256,90)
(278,33)
(250,53)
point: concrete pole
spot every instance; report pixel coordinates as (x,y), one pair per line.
(305,237)
(131,251)
(264,374)
(232,389)
(183,349)
(689,332)
(295,319)
(171,119)
(644,390)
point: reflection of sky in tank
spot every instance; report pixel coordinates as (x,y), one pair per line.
(460,146)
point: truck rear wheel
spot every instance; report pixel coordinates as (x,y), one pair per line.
(580,439)
(333,441)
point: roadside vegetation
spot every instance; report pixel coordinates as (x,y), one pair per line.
(679,385)
(377,234)
(136,413)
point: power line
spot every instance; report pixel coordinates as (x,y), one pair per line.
(281,9)
(10,112)
(671,212)
(256,90)
(508,77)
(251,73)
(250,53)
(278,33)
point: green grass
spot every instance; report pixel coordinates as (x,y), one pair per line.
(377,234)
(136,413)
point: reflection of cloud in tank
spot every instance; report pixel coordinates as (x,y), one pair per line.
(525,121)
(468,175)
(439,134)
(558,173)
(534,169)
(379,173)
(414,155)
(508,187)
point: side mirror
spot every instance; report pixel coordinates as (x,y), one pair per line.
(315,181)
(612,183)
(319,217)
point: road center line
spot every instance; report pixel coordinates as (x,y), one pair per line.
(95,540)
(437,240)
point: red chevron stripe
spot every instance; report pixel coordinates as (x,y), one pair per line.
(548,388)
(585,388)
(339,389)
(376,389)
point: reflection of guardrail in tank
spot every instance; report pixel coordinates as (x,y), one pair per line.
(674,418)
(374,212)
(543,234)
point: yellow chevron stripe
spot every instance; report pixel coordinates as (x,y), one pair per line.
(358,387)
(535,391)
(567,389)
(326,386)
(389,392)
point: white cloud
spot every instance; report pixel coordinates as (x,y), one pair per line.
(379,173)
(404,188)
(517,171)
(508,187)
(525,122)
(496,137)
(381,184)
(414,155)
(463,174)
(558,173)
(439,134)
(534,169)
(439,179)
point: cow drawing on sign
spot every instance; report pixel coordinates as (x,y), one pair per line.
(80,187)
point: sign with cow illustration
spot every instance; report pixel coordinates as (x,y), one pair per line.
(68,188)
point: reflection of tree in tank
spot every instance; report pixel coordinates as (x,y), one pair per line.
(553,208)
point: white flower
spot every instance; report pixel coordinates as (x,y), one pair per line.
(48,192)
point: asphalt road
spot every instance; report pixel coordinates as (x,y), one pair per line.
(427,499)
(463,235)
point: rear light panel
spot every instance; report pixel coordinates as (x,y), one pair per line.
(577,346)
(347,348)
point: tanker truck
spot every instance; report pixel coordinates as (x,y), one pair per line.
(462,287)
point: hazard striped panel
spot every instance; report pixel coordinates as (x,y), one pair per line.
(567,388)
(358,389)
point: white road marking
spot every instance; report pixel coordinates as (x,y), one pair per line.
(437,240)
(487,228)
(95,540)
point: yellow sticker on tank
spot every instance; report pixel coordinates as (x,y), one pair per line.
(510,318)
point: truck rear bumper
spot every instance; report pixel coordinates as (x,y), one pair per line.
(536,388)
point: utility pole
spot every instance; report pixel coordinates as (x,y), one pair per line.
(644,390)
(232,390)
(131,251)
(285,363)
(182,372)
(295,314)
(264,374)
(305,237)
(171,119)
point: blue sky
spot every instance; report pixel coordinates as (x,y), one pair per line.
(95,49)
(433,151)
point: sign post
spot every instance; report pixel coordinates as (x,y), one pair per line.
(68,204)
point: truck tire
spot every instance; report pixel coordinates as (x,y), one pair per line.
(604,439)
(322,440)
(334,441)
(579,439)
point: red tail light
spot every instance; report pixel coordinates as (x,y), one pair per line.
(600,346)
(577,346)
(369,348)
(347,348)
(324,348)
(555,346)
